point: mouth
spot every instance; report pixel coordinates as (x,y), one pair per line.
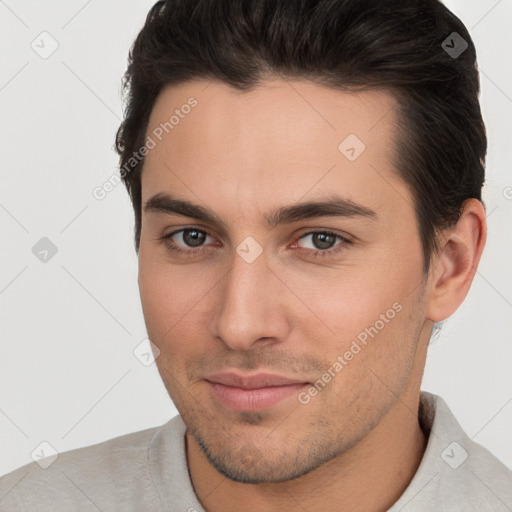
(252,393)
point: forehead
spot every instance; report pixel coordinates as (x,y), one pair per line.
(283,138)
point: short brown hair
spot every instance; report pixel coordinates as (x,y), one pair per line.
(399,45)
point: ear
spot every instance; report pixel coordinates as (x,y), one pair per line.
(454,267)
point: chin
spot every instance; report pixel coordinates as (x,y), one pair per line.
(248,464)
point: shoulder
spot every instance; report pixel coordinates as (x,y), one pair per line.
(483,475)
(456,473)
(113,472)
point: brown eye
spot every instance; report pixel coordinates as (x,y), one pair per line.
(322,244)
(322,240)
(186,240)
(193,237)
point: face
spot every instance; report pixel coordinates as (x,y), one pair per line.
(280,270)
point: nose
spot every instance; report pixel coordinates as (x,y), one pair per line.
(252,305)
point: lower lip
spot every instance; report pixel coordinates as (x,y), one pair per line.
(238,399)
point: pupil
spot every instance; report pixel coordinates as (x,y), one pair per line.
(319,239)
(193,237)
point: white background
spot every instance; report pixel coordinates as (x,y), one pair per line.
(68,327)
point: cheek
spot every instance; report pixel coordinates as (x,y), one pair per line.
(346,303)
(159,296)
(173,301)
(166,291)
(369,317)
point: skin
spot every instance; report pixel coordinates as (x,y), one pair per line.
(357,444)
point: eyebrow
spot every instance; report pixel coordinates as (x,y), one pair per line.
(333,205)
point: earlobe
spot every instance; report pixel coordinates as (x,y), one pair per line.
(455,265)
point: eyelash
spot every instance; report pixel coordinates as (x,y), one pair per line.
(317,253)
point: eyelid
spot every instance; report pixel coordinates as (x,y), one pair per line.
(327,231)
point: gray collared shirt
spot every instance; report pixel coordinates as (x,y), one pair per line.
(147,471)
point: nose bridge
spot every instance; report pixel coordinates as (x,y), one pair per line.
(249,308)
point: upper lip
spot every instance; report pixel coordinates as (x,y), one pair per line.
(260,380)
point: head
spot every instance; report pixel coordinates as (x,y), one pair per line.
(306,181)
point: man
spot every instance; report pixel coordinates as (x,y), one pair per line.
(302,223)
